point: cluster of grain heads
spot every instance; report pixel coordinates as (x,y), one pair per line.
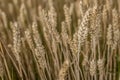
(59,40)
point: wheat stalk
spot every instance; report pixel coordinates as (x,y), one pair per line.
(63,70)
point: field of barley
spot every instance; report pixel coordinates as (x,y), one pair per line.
(59,39)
